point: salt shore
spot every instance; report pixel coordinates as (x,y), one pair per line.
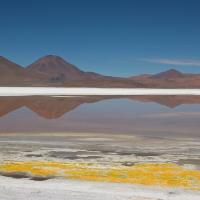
(59,189)
(26,91)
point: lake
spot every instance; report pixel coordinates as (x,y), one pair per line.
(152,116)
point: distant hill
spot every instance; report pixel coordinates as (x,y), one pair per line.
(169,79)
(10,72)
(170,74)
(53,70)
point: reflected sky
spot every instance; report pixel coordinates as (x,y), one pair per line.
(119,116)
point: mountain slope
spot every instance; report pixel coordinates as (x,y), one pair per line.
(170,74)
(55,69)
(169,79)
(10,72)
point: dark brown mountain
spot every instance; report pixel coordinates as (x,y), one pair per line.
(10,72)
(169,79)
(52,68)
(170,74)
(54,71)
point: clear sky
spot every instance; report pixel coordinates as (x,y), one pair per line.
(114,37)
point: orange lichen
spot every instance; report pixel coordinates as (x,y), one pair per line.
(167,174)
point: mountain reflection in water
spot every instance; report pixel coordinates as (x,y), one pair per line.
(154,115)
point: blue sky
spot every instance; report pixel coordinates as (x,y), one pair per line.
(121,37)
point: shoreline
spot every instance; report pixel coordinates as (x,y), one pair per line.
(56,91)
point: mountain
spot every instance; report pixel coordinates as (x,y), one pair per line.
(54,71)
(169,79)
(170,74)
(10,72)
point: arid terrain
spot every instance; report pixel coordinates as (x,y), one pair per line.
(53,70)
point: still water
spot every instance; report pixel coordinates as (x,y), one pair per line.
(166,116)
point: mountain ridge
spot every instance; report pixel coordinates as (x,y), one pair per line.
(55,68)
(169,74)
(52,70)
(10,72)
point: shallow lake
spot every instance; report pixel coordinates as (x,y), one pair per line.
(160,116)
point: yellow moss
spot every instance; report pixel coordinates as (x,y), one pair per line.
(167,174)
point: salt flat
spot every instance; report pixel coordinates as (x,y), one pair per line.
(52,91)
(23,189)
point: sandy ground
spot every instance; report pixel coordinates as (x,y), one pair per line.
(22,189)
(26,91)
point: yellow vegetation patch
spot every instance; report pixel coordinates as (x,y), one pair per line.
(167,175)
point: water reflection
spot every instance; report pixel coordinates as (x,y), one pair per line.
(55,107)
(155,116)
